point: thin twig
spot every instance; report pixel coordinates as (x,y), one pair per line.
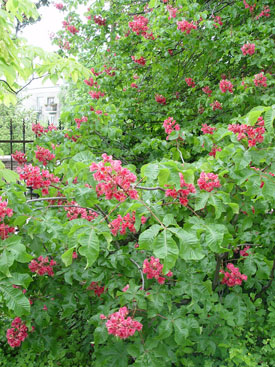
(149,188)
(141,272)
(153,214)
(178,149)
(51,198)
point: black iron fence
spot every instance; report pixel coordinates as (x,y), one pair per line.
(18,136)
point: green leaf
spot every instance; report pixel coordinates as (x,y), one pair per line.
(9,176)
(214,237)
(150,170)
(268,119)
(181,332)
(216,202)
(67,257)
(152,3)
(190,248)
(235,302)
(201,200)
(165,247)
(89,246)
(6,261)
(147,237)
(15,299)
(163,176)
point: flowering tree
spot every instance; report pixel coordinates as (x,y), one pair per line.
(151,238)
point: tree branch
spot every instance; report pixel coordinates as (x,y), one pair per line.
(141,272)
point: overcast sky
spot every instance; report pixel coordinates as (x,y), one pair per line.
(38,34)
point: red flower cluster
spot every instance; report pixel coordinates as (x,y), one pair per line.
(233,278)
(214,150)
(216,105)
(37,179)
(244,251)
(264,13)
(73,137)
(121,326)
(5,230)
(217,21)
(4,210)
(207,91)
(120,224)
(190,82)
(19,157)
(59,6)
(79,121)
(248,49)
(139,26)
(91,83)
(208,129)
(17,333)
(134,85)
(39,129)
(185,26)
(260,80)
(99,20)
(160,99)
(96,95)
(72,29)
(169,126)
(182,193)
(172,11)
(116,179)
(140,61)
(250,7)
(42,266)
(78,212)
(208,181)
(43,155)
(254,133)
(226,85)
(153,269)
(96,288)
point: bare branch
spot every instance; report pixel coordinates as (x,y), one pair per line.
(140,270)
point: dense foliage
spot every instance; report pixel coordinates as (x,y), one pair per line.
(151,240)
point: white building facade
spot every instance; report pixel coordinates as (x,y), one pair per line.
(43,98)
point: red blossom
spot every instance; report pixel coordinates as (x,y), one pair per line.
(19,157)
(78,212)
(248,49)
(160,99)
(96,288)
(190,82)
(226,85)
(207,91)
(234,277)
(214,150)
(43,155)
(17,333)
(254,135)
(99,20)
(121,326)
(140,61)
(186,189)
(37,179)
(153,269)
(208,129)
(114,180)
(208,181)
(260,80)
(79,121)
(42,266)
(185,26)
(216,105)
(120,224)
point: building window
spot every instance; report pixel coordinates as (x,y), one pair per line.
(52,119)
(50,100)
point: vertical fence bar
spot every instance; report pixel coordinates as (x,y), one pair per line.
(24,136)
(11,136)
(60,126)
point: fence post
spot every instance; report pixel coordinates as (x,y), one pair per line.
(24,136)
(11,136)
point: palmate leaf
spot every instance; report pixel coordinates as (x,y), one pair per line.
(165,248)
(147,237)
(15,299)
(235,302)
(89,246)
(190,248)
